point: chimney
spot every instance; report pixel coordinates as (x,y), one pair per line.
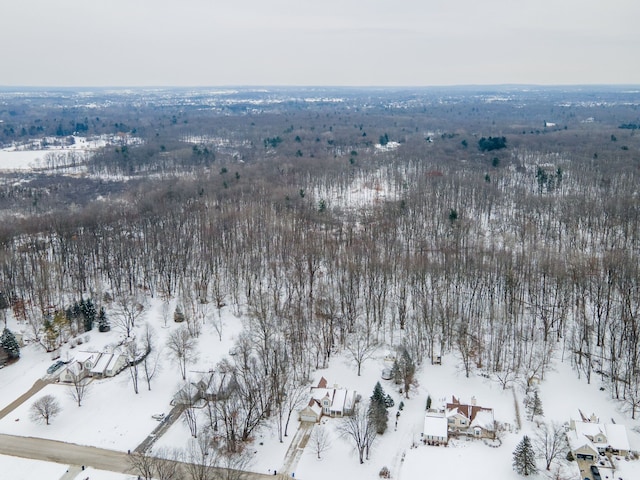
(473,401)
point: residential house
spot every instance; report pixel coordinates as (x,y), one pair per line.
(116,364)
(92,364)
(581,447)
(589,435)
(100,367)
(312,412)
(332,402)
(435,427)
(471,420)
(79,368)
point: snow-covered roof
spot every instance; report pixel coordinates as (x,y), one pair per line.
(315,408)
(113,360)
(589,429)
(350,399)
(84,356)
(102,363)
(467,411)
(576,442)
(484,419)
(74,368)
(339,398)
(617,436)
(320,393)
(435,425)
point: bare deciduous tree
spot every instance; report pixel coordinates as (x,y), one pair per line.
(165,464)
(182,347)
(80,388)
(44,409)
(319,440)
(151,363)
(360,349)
(142,464)
(127,310)
(359,429)
(551,442)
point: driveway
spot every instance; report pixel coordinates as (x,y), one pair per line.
(37,386)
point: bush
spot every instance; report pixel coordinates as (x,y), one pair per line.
(385,473)
(492,143)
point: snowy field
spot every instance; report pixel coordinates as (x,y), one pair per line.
(13,468)
(113,416)
(34,154)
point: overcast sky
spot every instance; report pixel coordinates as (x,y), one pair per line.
(318,42)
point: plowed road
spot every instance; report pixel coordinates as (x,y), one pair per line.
(72,454)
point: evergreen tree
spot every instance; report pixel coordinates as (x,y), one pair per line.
(524,458)
(10,344)
(378,414)
(404,370)
(88,310)
(534,406)
(103,321)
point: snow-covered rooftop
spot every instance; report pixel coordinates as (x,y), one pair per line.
(435,424)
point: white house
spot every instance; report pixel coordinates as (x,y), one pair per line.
(601,437)
(435,427)
(92,364)
(312,412)
(333,402)
(116,364)
(80,367)
(471,420)
(98,370)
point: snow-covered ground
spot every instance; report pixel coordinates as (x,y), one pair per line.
(13,468)
(113,416)
(34,154)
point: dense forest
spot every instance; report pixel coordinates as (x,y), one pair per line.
(501,225)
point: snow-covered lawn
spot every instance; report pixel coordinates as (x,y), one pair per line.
(562,394)
(33,154)
(14,468)
(113,416)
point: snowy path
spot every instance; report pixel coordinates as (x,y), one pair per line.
(71,473)
(160,429)
(296,449)
(37,386)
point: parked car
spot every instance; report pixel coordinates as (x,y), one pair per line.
(158,416)
(595,473)
(55,367)
(386,374)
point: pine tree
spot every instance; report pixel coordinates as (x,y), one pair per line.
(103,322)
(89,312)
(534,406)
(524,458)
(378,414)
(10,344)
(404,370)
(537,405)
